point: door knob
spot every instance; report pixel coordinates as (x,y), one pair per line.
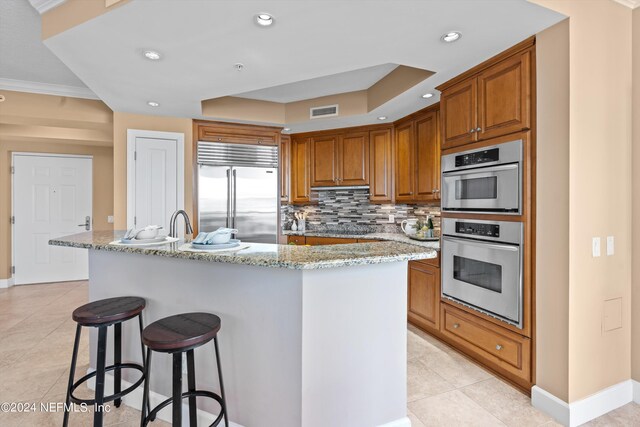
(87,223)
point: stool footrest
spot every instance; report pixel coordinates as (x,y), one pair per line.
(194,393)
(113,396)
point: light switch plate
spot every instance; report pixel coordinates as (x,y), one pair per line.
(110,219)
(610,246)
(595,247)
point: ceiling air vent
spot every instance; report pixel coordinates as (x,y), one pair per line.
(326,111)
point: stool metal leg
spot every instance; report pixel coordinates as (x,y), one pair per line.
(224,400)
(74,359)
(191,382)
(117,359)
(100,372)
(177,390)
(145,395)
(144,361)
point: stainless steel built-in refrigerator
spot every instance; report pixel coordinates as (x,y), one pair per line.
(238,188)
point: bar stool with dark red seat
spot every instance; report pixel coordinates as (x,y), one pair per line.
(101,314)
(176,335)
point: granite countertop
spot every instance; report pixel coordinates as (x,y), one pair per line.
(393,237)
(264,255)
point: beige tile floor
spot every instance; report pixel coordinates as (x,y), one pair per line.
(444,388)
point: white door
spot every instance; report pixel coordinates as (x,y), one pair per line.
(51,198)
(157,181)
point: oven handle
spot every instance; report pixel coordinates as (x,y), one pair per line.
(481,244)
(482,170)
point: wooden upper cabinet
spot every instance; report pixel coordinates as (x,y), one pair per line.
(504,97)
(300,173)
(427,157)
(493,101)
(458,106)
(353,159)
(237,133)
(324,161)
(405,162)
(284,164)
(380,166)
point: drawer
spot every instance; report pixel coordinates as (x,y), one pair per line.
(298,240)
(313,241)
(435,262)
(503,349)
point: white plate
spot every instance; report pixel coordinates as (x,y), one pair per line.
(160,239)
(230,244)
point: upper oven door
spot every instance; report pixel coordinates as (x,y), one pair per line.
(485,275)
(489,189)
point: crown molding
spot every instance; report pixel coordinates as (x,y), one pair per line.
(43,6)
(632,4)
(47,89)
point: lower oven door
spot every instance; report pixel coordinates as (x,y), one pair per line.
(494,189)
(484,275)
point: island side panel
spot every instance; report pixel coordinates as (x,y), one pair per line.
(260,339)
(354,346)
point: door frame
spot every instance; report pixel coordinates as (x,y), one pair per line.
(11,281)
(132,134)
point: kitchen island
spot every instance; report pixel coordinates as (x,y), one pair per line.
(311,336)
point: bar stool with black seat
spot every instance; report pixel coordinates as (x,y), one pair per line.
(101,314)
(179,334)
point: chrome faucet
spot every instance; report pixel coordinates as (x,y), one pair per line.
(172,223)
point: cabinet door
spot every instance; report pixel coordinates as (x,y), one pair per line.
(504,97)
(427,157)
(380,170)
(424,295)
(405,162)
(300,188)
(458,107)
(285,147)
(324,161)
(353,159)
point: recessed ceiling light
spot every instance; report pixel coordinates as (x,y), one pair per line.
(152,104)
(239,66)
(152,55)
(451,37)
(286,129)
(382,118)
(264,19)
(427,95)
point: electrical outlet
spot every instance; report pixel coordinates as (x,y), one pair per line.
(610,246)
(595,247)
(110,219)
(392,218)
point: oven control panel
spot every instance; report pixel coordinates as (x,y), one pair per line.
(478,229)
(478,157)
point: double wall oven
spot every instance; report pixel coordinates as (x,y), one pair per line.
(482,263)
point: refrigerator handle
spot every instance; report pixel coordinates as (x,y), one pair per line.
(233,217)
(228,196)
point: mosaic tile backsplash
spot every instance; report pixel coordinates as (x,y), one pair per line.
(350,208)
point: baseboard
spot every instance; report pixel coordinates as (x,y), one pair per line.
(584,410)
(636,391)
(6,283)
(134,400)
(402,422)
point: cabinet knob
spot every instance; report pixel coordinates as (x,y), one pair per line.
(478,129)
(472,131)
(456,325)
(498,347)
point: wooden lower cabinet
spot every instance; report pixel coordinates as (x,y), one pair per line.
(423,295)
(296,240)
(501,350)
